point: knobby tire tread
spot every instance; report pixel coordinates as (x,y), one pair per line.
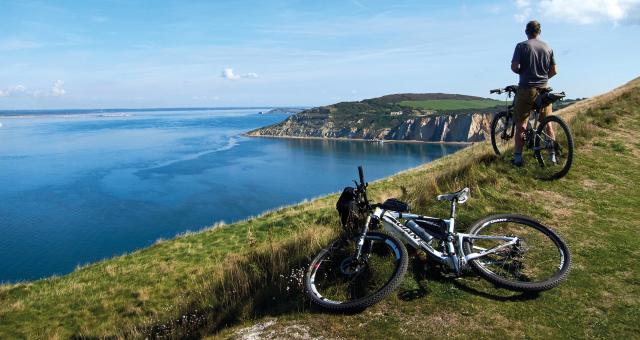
(552,282)
(362,303)
(494,122)
(563,172)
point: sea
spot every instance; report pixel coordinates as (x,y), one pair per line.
(78,186)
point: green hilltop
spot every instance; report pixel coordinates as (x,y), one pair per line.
(452,104)
(410,103)
(425,117)
(244,279)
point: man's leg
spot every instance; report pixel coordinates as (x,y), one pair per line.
(550,135)
(521,108)
(544,113)
(520,129)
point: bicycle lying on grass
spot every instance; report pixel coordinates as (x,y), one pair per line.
(362,266)
(551,135)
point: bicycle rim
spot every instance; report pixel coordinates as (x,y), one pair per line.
(335,280)
(502,130)
(539,260)
(553,149)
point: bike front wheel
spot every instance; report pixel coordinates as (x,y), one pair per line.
(336,281)
(537,261)
(553,148)
(502,131)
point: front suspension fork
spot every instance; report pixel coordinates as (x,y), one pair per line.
(365,230)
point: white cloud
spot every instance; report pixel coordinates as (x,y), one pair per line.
(14,91)
(581,11)
(18,91)
(57,90)
(228,73)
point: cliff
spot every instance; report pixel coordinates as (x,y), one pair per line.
(429,117)
(462,127)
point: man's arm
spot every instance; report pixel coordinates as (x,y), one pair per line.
(515,67)
(552,71)
(515,60)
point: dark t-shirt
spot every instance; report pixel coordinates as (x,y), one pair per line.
(535,58)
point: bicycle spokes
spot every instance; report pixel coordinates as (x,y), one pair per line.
(341,277)
(553,148)
(531,258)
(502,132)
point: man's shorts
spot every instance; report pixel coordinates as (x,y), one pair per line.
(524,104)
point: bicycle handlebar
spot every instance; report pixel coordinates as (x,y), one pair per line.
(363,186)
(510,89)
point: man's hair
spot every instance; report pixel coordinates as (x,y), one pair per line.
(533,28)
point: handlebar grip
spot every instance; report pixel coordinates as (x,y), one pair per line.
(361,174)
(495,91)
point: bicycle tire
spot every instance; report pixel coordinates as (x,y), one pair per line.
(567,150)
(497,140)
(324,264)
(497,267)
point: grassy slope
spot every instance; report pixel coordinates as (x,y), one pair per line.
(213,278)
(451,104)
(594,208)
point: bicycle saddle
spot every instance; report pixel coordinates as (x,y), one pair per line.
(461,196)
(557,95)
(547,98)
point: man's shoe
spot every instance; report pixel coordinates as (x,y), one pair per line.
(517,163)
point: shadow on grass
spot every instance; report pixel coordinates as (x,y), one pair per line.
(423,270)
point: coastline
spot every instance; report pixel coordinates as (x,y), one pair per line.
(409,141)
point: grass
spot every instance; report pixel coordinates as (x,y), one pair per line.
(214,283)
(451,104)
(595,210)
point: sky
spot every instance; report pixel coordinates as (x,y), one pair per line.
(142,54)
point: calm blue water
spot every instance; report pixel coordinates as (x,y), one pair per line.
(77,188)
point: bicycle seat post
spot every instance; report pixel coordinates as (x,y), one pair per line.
(453,207)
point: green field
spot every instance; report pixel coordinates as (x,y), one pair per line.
(234,279)
(451,104)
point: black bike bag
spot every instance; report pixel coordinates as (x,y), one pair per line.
(395,205)
(347,206)
(547,98)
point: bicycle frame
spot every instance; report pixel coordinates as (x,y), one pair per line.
(530,131)
(453,257)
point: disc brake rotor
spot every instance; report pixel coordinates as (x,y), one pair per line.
(350,266)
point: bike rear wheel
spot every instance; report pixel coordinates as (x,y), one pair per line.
(553,148)
(502,131)
(538,261)
(337,282)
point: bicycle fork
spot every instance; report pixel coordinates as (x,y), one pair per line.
(363,237)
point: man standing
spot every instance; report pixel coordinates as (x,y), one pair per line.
(533,60)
